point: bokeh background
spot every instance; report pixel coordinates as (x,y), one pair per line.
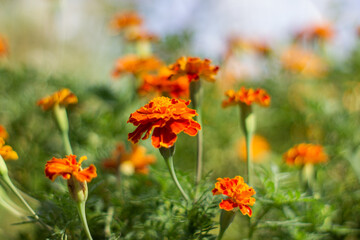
(54,44)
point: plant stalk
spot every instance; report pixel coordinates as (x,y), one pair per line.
(81,209)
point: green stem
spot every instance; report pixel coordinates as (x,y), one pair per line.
(196,96)
(81,209)
(170,164)
(226,218)
(248,124)
(66,141)
(253,226)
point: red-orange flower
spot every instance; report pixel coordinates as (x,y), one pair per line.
(125,20)
(238,193)
(161,84)
(247,96)
(194,68)
(167,117)
(3,133)
(305,153)
(3,47)
(67,167)
(63,97)
(6,151)
(136,65)
(322,31)
(134,161)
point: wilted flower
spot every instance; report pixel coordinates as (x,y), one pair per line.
(3,133)
(238,193)
(63,97)
(194,68)
(302,61)
(247,96)
(167,117)
(260,148)
(6,151)
(136,65)
(67,167)
(129,162)
(125,20)
(321,31)
(303,153)
(3,47)
(161,84)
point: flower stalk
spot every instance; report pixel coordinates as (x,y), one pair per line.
(196,95)
(248,125)
(167,154)
(63,124)
(226,218)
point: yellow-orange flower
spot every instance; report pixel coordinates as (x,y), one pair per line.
(136,65)
(238,193)
(134,161)
(125,20)
(63,97)
(322,31)
(259,148)
(194,68)
(238,43)
(6,151)
(67,167)
(3,133)
(3,47)
(161,84)
(247,96)
(299,60)
(139,34)
(167,117)
(303,153)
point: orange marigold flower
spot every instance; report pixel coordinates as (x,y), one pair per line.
(136,65)
(125,20)
(299,60)
(63,97)
(322,31)
(3,133)
(305,153)
(238,193)
(162,85)
(247,96)
(194,68)
(129,162)
(167,117)
(67,167)
(3,47)
(6,151)
(139,34)
(260,148)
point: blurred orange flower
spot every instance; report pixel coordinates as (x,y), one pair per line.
(194,68)
(238,193)
(3,133)
(238,43)
(247,96)
(167,117)
(161,84)
(260,148)
(140,34)
(3,47)
(302,61)
(322,31)
(136,65)
(63,97)
(6,151)
(125,20)
(303,153)
(129,162)
(67,167)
